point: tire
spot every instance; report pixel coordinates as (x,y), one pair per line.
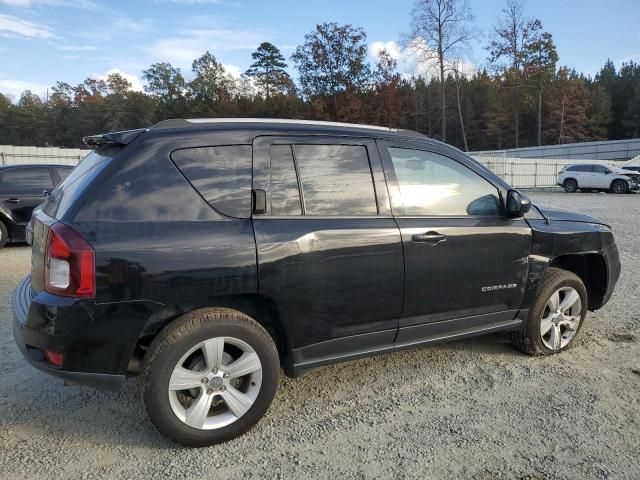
(530,339)
(4,234)
(619,186)
(570,185)
(251,394)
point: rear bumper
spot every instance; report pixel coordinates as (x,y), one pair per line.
(34,331)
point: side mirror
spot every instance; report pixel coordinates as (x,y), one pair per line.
(517,203)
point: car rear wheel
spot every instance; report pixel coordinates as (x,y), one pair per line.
(4,234)
(619,186)
(556,317)
(209,377)
(570,185)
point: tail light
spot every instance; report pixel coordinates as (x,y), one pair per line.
(69,265)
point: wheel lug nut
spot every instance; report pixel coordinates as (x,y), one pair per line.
(205,380)
(209,391)
(223,388)
(226,375)
(214,370)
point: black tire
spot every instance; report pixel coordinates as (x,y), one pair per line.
(174,341)
(570,185)
(619,186)
(4,234)
(528,339)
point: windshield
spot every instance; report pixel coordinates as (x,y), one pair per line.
(70,189)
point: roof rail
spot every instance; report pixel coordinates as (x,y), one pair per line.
(172,123)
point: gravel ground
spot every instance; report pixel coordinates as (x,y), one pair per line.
(471,409)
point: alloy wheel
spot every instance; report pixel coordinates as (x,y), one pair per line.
(561,318)
(215,383)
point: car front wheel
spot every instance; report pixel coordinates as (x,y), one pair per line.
(619,186)
(209,377)
(557,315)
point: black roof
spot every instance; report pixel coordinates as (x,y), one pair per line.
(255,124)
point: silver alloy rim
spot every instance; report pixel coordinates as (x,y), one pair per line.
(561,318)
(215,383)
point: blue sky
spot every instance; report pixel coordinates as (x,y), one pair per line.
(42,41)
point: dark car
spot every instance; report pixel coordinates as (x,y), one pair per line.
(206,255)
(22,188)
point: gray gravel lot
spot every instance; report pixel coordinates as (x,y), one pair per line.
(470,409)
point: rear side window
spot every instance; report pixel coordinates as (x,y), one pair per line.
(222,175)
(26,180)
(336,180)
(285,196)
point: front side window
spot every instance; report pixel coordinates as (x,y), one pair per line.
(600,169)
(23,180)
(336,180)
(432,184)
(222,175)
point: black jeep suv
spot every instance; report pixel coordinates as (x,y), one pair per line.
(22,188)
(205,255)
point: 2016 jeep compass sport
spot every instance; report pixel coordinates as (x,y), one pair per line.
(205,255)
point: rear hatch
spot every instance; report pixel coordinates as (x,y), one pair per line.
(59,203)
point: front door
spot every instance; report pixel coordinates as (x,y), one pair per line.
(329,250)
(465,260)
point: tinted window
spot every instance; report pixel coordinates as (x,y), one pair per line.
(336,180)
(285,196)
(27,180)
(222,175)
(432,184)
(575,168)
(78,180)
(600,169)
(63,173)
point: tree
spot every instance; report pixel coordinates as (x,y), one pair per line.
(268,69)
(540,58)
(386,81)
(333,60)
(511,36)
(212,84)
(439,34)
(167,85)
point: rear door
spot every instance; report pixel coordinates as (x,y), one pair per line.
(465,260)
(329,251)
(21,190)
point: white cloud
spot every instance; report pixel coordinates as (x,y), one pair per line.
(182,49)
(16,87)
(77,48)
(11,26)
(417,59)
(233,70)
(136,82)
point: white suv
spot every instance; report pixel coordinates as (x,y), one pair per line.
(597,177)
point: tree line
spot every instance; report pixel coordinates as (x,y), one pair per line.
(522,97)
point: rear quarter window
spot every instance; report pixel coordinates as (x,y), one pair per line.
(222,176)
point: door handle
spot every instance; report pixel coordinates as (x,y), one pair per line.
(13,200)
(433,238)
(46,193)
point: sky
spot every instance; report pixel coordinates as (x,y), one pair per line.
(43,41)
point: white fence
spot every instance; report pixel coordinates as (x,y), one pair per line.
(530,172)
(12,155)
